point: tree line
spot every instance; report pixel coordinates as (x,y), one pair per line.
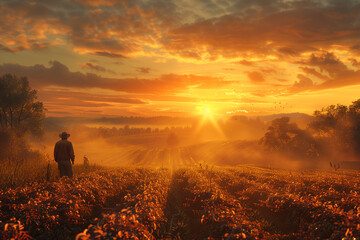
(334,132)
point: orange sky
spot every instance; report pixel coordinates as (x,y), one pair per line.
(179,57)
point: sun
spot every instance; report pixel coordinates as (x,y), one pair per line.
(207,116)
(207,111)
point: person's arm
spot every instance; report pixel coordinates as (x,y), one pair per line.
(71,152)
(55,152)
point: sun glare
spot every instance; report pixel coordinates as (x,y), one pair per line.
(207,111)
(208,116)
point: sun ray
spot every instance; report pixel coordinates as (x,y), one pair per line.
(208,116)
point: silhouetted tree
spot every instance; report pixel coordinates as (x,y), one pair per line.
(340,124)
(283,136)
(19,109)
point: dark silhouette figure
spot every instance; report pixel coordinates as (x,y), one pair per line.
(86,162)
(63,154)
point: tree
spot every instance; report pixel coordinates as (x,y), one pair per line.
(328,120)
(283,136)
(19,109)
(354,116)
(340,125)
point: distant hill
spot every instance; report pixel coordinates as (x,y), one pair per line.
(161,120)
(301,119)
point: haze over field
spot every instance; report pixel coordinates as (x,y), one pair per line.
(165,142)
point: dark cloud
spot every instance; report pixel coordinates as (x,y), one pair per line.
(304,83)
(59,75)
(328,62)
(25,26)
(228,28)
(90,27)
(284,31)
(328,68)
(143,69)
(355,49)
(311,71)
(94,67)
(109,54)
(246,63)
(354,62)
(97,3)
(255,77)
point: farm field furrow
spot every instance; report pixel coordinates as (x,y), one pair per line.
(199,202)
(306,207)
(139,214)
(59,210)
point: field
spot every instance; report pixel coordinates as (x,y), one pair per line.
(179,201)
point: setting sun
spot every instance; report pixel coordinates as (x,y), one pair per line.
(207,111)
(179,119)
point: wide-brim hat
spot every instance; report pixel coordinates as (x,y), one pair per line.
(64,135)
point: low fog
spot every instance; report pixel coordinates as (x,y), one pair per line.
(181,142)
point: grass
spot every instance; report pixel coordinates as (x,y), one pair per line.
(16,174)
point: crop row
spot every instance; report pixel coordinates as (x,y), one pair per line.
(139,214)
(307,206)
(189,203)
(56,210)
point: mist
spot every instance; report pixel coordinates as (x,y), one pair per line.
(185,142)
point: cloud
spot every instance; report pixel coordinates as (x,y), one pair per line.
(202,30)
(327,67)
(143,69)
(354,62)
(284,31)
(255,77)
(27,26)
(75,103)
(94,67)
(69,96)
(311,71)
(97,3)
(304,83)
(89,27)
(328,62)
(108,54)
(57,74)
(246,63)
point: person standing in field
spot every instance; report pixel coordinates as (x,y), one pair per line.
(64,155)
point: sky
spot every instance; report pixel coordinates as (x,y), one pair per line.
(181,57)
